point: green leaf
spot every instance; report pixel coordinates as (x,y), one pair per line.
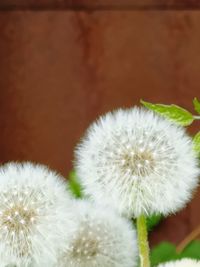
(164,252)
(196,142)
(74,185)
(196,105)
(153,220)
(172,112)
(192,250)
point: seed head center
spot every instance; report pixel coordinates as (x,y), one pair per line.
(17,218)
(87,247)
(138,162)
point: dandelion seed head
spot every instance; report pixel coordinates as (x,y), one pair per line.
(181,263)
(100,238)
(137,162)
(32,205)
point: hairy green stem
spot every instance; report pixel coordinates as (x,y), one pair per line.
(143,241)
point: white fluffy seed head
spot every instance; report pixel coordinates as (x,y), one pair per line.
(99,238)
(181,263)
(33,203)
(137,162)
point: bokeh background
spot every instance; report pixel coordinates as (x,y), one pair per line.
(63,63)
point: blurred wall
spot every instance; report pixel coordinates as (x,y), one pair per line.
(63,65)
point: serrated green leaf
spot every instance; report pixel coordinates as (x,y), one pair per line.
(196,105)
(74,185)
(174,113)
(153,220)
(192,250)
(164,252)
(196,142)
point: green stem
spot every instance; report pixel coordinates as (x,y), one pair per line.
(143,241)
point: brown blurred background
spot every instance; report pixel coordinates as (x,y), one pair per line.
(63,63)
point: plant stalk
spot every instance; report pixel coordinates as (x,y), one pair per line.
(189,238)
(143,241)
(196,117)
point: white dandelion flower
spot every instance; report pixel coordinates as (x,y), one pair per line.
(99,238)
(33,203)
(181,263)
(138,162)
